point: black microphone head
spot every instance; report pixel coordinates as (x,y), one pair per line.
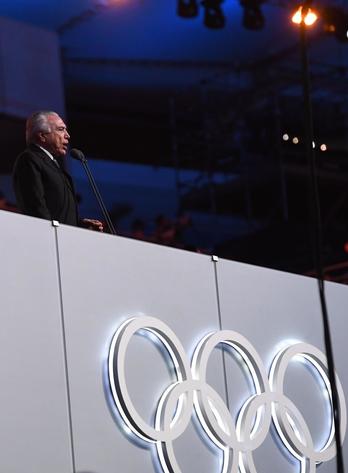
(77,154)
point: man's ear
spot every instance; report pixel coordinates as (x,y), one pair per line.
(42,137)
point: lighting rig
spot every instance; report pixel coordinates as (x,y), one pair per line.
(333,20)
(213,14)
(253,18)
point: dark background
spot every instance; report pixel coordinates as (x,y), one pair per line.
(144,85)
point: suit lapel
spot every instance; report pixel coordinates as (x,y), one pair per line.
(48,161)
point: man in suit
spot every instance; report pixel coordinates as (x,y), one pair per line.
(42,186)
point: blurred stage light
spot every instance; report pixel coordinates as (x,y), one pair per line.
(323,147)
(187,8)
(286,137)
(306,15)
(213,14)
(336,22)
(313,144)
(295,140)
(253,18)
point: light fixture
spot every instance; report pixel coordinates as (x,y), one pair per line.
(213,14)
(295,140)
(304,15)
(336,22)
(286,137)
(323,147)
(187,8)
(253,18)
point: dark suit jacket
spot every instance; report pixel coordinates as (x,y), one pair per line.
(42,188)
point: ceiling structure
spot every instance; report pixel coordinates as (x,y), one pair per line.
(110,41)
(125,60)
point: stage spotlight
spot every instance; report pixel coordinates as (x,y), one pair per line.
(253,18)
(213,14)
(336,21)
(306,15)
(295,140)
(323,147)
(187,8)
(286,137)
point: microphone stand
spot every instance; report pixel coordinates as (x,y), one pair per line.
(80,157)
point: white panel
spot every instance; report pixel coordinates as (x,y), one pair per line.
(34,428)
(273,309)
(106,280)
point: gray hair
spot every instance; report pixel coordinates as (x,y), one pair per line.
(36,123)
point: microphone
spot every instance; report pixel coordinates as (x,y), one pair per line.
(77,154)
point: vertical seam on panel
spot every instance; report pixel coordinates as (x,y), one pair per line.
(223,353)
(66,371)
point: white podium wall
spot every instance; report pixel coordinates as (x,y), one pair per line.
(65,291)
(34,427)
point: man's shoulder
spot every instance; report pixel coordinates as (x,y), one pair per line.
(30,154)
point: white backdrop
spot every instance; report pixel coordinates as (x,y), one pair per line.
(64,293)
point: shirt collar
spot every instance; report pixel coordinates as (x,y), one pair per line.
(47,152)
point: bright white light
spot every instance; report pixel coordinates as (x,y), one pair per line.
(313,144)
(297,17)
(323,147)
(295,140)
(309,18)
(286,137)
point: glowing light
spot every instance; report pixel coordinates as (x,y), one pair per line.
(108,3)
(286,137)
(295,140)
(323,147)
(310,18)
(304,15)
(330,28)
(313,144)
(297,17)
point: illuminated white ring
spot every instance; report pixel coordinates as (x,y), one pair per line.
(163,421)
(301,445)
(117,377)
(246,459)
(254,419)
(191,389)
(258,373)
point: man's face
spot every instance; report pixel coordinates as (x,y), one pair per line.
(57,140)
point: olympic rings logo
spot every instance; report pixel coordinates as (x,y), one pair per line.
(238,440)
